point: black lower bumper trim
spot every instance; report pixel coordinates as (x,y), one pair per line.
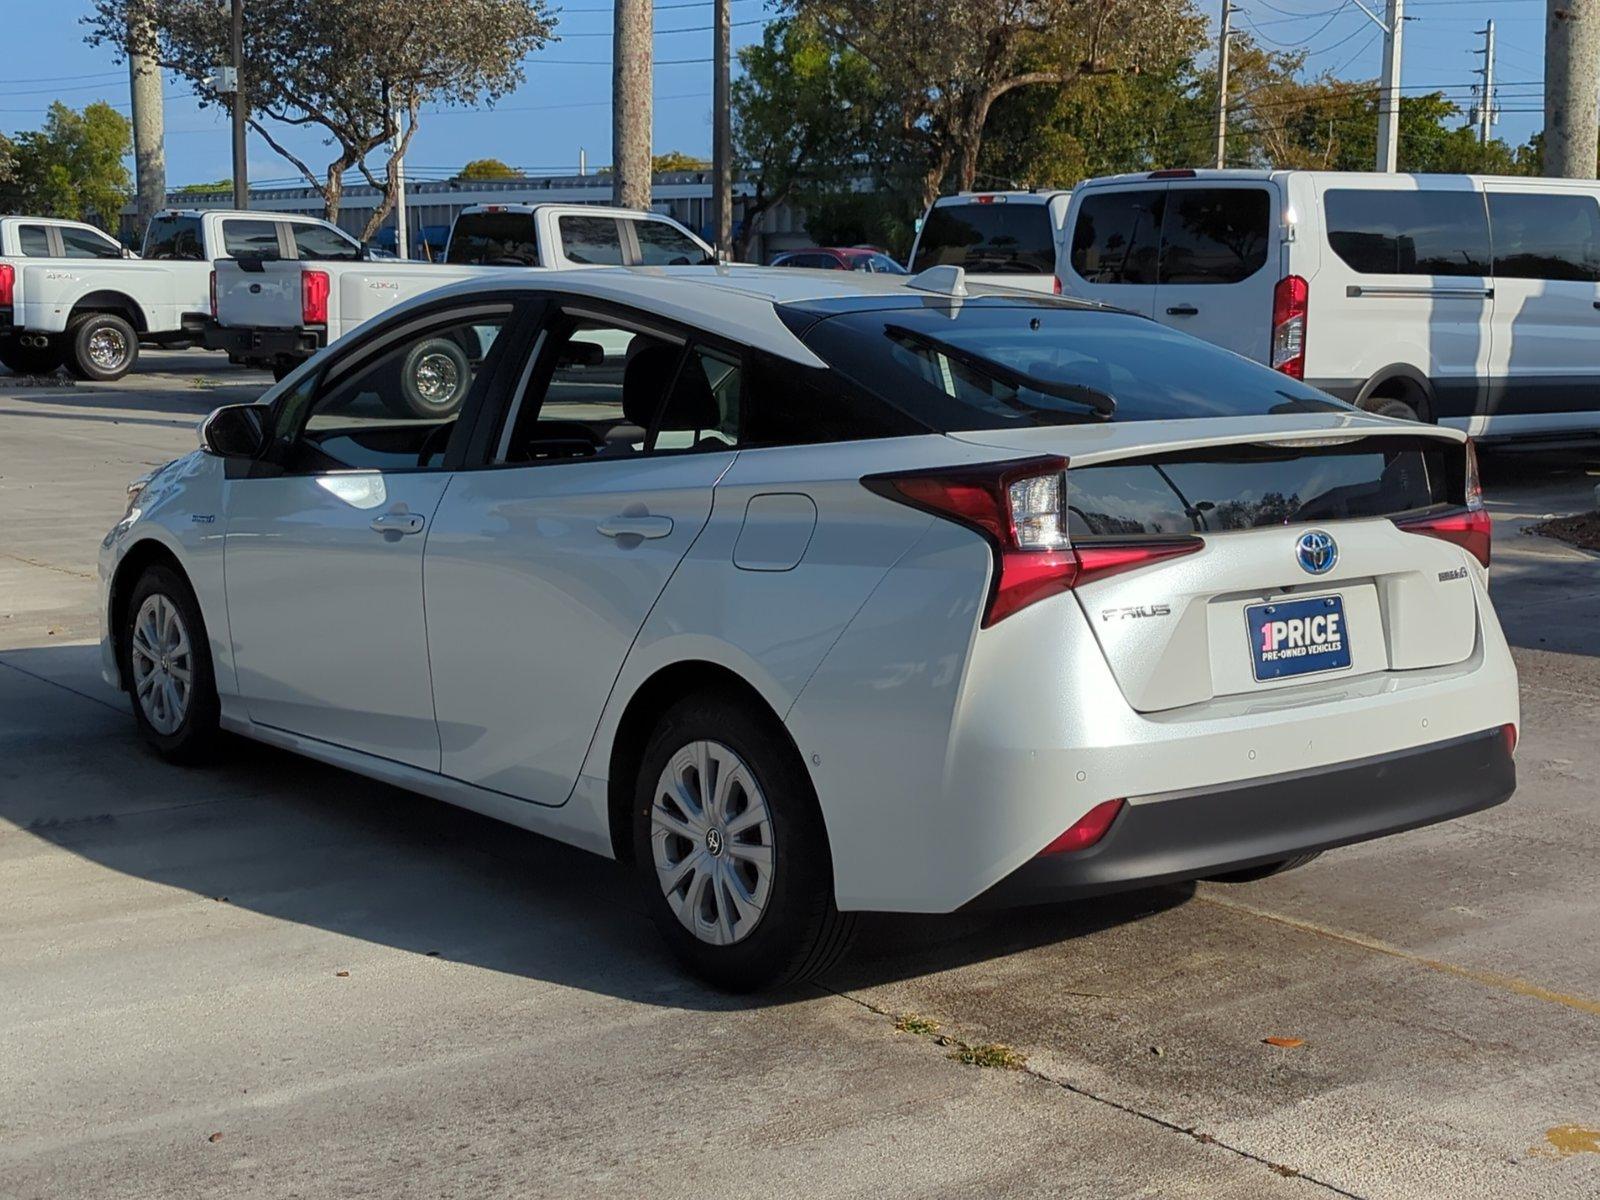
(1179,836)
(262,345)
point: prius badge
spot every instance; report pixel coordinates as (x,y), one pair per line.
(1316,552)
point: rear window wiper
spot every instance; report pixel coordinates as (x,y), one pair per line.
(1101,403)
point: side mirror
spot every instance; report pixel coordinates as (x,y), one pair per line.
(236,431)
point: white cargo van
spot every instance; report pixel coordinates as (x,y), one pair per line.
(1007,238)
(1469,301)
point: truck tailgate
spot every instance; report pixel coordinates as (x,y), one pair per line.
(264,298)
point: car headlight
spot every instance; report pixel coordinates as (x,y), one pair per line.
(136,489)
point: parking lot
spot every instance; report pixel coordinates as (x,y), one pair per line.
(272,978)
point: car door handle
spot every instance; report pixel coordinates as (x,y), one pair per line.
(1183,310)
(639,527)
(399,523)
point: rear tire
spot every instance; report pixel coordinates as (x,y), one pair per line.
(101,346)
(1390,406)
(435,378)
(1264,870)
(166,663)
(31,360)
(741,888)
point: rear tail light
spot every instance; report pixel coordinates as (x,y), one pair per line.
(8,284)
(1289,302)
(213,295)
(314,289)
(1019,508)
(1057,282)
(1087,830)
(1466,527)
(1508,732)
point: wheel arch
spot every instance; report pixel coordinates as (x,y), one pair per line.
(1403,381)
(107,300)
(138,558)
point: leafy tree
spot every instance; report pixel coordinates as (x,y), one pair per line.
(488,168)
(346,68)
(202,189)
(805,116)
(72,167)
(677,160)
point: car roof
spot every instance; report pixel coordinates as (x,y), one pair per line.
(1016,197)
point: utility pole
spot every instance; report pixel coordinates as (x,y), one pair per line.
(397,164)
(1389,89)
(1224,44)
(241,179)
(722,129)
(149,117)
(1485,113)
(630,103)
(1571,87)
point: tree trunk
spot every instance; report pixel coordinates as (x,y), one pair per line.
(973,120)
(630,103)
(149,146)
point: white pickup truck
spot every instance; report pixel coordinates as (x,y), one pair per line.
(70,294)
(277,314)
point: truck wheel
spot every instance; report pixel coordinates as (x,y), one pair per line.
(31,360)
(281,368)
(434,378)
(101,346)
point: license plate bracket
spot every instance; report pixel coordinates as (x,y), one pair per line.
(1302,636)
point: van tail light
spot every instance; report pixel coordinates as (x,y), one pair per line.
(1019,508)
(213,295)
(1466,527)
(1508,734)
(314,289)
(8,284)
(1289,302)
(1056,281)
(1087,830)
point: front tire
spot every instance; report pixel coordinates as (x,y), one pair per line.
(101,346)
(166,664)
(730,849)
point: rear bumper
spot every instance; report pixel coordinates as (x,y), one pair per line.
(1185,835)
(263,345)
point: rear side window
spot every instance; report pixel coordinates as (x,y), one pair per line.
(997,238)
(490,239)
(318,243)
(591,241)
(1117,236)
(794,405)
(1409,233)
(34,241)
(80,243)
(1545,237)
(661,245)
(174,239)
(250,239)
(1214,235)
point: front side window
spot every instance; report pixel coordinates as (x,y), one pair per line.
(882,264)
(34,241)
(80,243)
(1116,238)
(250,239)
(998,238)
(494,239)
(661,245)
(174,239)
(1385,232)
(1214,235)
(1545,237)
(591,241)
(397,408)
(318,243)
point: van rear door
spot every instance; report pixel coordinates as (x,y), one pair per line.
(996,238)
(1218,263)
(1113,241)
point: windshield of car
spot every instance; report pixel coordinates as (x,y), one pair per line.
(997,238)
(1006,366)
(494,239)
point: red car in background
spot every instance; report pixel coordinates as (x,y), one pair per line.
(841,258)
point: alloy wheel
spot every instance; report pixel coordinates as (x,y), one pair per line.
(108,349)
(163,664)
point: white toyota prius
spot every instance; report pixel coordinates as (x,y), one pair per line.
(810,594)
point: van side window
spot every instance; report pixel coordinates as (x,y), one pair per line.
(1383,232)
(1115,238)
(1545,236)
(1214,235)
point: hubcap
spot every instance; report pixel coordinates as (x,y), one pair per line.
(107,348)
(437,378)
(163,664)
(711,835)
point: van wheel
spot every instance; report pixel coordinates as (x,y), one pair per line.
(730,849)
(434,378)
(166,661)
(101,346)
(1264,870)
(31,360)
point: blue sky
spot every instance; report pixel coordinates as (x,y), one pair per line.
(565,102)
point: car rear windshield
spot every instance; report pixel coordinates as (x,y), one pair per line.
(1247,487)
(486,239)
(930,361)
(996,238)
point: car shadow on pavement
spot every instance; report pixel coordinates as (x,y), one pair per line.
(278,835)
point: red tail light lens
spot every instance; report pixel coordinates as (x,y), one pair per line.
(1056,281)
(1509,734)
(1019,508)
(1289,303)
(8,284)
(314,289)
(1087,830)
(1468,528)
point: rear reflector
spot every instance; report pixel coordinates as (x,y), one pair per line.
(1289,305)
(1468,528)
(1087,830)
(213,295)
(314,290)
(1019,508)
